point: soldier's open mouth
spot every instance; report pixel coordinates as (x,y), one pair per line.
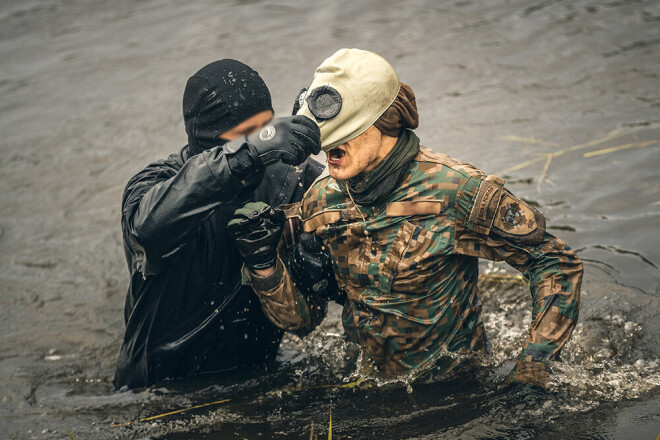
(336,155)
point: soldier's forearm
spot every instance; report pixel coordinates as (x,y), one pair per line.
(280,300)
(556,281)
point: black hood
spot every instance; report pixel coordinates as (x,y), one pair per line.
(217,98)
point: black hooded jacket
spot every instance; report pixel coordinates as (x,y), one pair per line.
(186,310)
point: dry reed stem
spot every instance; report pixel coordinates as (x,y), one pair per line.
(619,148)
(146,419)
(544,173)
(611,135)
(528,140)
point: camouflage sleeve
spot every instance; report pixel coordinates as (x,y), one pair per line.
(491,223)
(283,304)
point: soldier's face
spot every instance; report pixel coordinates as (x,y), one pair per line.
(248,126)
(356,156)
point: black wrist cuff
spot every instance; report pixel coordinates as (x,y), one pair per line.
(269,282)
(244,163)
(261,265)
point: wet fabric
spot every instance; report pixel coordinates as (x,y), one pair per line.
(410,269)
(186,310)
(401,114)
(372,187)
(219,97)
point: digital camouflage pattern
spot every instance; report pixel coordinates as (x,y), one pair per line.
(409,267)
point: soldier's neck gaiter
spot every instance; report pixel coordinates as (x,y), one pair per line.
(371,188)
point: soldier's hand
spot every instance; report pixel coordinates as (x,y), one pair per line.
(290,139)
(257,228)
(531,373)
(311,268)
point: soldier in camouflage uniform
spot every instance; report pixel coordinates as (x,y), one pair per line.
(406,261)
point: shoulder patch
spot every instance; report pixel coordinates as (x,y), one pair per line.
(519,221)
(486,204)
(496,209)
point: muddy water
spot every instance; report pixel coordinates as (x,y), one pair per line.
(560,97)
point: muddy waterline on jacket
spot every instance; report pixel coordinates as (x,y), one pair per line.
(560,98)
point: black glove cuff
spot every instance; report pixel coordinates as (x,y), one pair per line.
(270,157)
(245,164)
(269,282)
(262,265)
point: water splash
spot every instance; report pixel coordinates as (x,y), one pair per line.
(604,361)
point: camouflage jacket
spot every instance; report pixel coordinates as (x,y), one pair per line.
(409,266)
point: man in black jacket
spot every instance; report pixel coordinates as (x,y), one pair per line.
(186,310)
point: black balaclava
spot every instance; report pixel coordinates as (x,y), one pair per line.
(217,98)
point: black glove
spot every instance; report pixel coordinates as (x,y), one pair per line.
(300,98)
(311,268)
(291,139)
(257,229)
